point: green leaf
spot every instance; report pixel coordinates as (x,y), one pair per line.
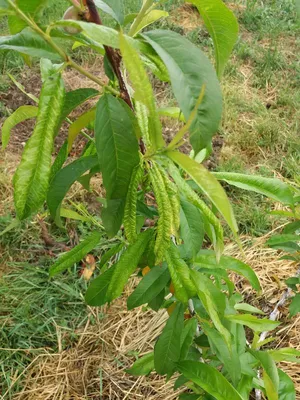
(76,254)
(157,301)
(187,80)
(31,179)
(149,18)
(118,153)
(286,389)
(112,7)
(209,379)
(143,91)
(96,293)
(180,275)
(21,114)
(208,259)
(273,188)
(172,112)
(149,287)
(59,160)
(295,305)
(256,324)
(5,8)
(127,264)
(191,228)
(30,43)
(287,354)
(71,214)
(228,356)
(29,7)
(64,179)
(208,184)
(287,242)
(75,98)
(81,122)
(187,337)
(143,366)
(270,373)
(248,308)
(222,27)
(167,349)
(213,301)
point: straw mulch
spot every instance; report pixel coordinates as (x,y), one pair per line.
(95,367)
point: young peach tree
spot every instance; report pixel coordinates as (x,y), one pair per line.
(203,341)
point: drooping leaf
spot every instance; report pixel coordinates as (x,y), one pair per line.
(270,373)
(31,179)
(191,228)
(118,153)
(114,8)
(143,366)
(64,179)
(76,254)
(167,348)
(149,287)
(180,274)
(30,43)
(127,265)
(286,389)
(149,18)
(287,354)
(213,301)
(248,308)
(256,324)
(295,305)
(209,379)
(187,337)
(21,114)
(208,184)
(81,122)
(187,80)
(270,187)
(96,293)
(143,91)
(222,27)
(208,259)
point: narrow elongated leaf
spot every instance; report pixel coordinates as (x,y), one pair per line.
(59,160)
(214,305)
(286,389)
(207,259)
(64,179)
(208,184)
(118,153)
(209,379)
(222,27)
(30,43)
(167,348)
(143,91)
(149,287)
(80,123)
(114,8)
(127,265)
(187,337)
(270,187)
(31,179)
(97,291)
(256,324)
(287,354)
(149,18)
(172,112)
(191,228)
(143,366)
(21,114)
(180,274)
(248,308)
(270,373)
(76,254)
(187,80)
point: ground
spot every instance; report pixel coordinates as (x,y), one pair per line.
(57,339)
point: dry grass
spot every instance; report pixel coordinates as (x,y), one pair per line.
(95,367)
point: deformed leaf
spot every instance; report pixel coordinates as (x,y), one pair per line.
(209,379)
(143,366)
(31,179)
(76,254)
(21,114)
